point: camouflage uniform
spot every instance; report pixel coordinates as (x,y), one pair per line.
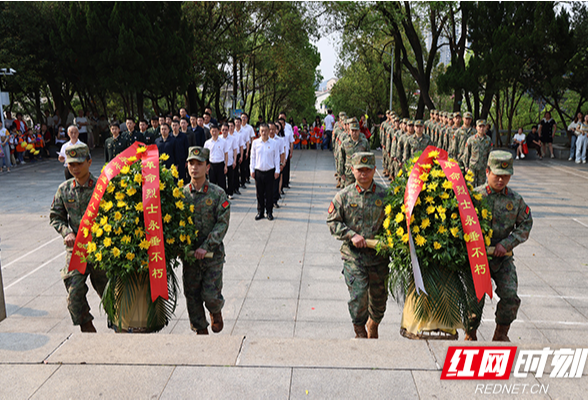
(461,137)
(203,279)
(475,157)
(511,222)
(66,213)
(358,211)
(414,144)
(346,151)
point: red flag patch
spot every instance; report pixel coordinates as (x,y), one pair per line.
(331,207)
(225,204)
(527,210)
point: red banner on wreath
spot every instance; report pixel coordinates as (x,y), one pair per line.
(469,219)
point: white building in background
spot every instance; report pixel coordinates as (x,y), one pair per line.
(323,94)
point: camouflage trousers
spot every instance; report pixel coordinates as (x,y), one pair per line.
(479,177)
(504,274)
(367,291)
(77,289)
(203,285)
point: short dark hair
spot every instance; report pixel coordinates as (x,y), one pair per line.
(155,118)
(283,112)
(245,114)
(175,121)
(115,124)
(193,115)
(166,124)
(225,124)
(263,125)
(213,126)
(282,119)
(142,120)
(130,119)
(238,118)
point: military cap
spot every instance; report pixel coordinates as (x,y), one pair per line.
(456,114)
(418,122)
(450,115)
(78,153)
(433,112)
(363,159)
(480,122)
(354,126)
(410,122)
(387,112)
(198,153)
(342,114)
(349,120)
(468,115)
(500,162)
(404,120)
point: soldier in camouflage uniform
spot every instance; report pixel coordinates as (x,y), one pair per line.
(353,144)
(461,137)
(453,134)
(203,278)
(417,142)
(337,130)
(116,144)
(511,224)
(402,142)
(475,156)
(67,210)
(355,214)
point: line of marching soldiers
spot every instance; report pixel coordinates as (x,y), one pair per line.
(402,138)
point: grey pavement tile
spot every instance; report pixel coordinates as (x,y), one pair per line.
(273,271)
(25,347)
(430,386)
(182,327)
(323,310)
(571,335)
(331,258)
(17,304)
(312,273)
(46,306)
(153,349)
(235,288)
(323,383)
(268,309)
(105,381)
(29,324)
(351,353)
(273,289)
(21,381)
(228,383)
(565,388)
(261,328)
(334,290)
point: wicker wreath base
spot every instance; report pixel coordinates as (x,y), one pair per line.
(436,334)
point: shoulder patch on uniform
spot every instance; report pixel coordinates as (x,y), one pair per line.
(331,207)
(208,202)
(225,204)
(527,210)
(205,188)
(488,190)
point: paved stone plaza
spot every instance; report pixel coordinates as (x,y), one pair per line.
(287,329)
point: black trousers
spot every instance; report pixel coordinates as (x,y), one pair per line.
(264,188)
(286,173)
(237,172)
(244,167)
(277,188)
(230,181)
(217,175)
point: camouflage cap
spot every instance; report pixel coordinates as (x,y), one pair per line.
(349,120)
(468,115)
(354,126)
(500,162)
(480,122)
(342,114)
(387,112)
(363,159)
(78,153)
(418,122)
(456,114)
(198,153)
(410,122)
(450,115)
(433,112)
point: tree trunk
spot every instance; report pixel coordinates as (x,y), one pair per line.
(140,101)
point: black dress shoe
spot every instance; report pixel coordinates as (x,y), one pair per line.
(270,216)
(276,205)
(259,216)
(287,186)
(237,191)
(282,192)
(243,186)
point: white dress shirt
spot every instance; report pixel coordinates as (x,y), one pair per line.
(232,145)
(217,149)
(265,155)
(289,136)
(329,121)
(249,132)
(65,146)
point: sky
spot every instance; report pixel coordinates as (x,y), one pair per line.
(326,47)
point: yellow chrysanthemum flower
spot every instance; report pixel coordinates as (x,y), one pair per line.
(182,238)
(429,199)
(188,240)
(436,245)
(103,220)
(138,178)
(139,232)
(424,177)
(411,219)
(454,231)
(469,178)
(403,208)
(137,221)
(130,256)
(170,241)
(418,201)
(400,232)
(441,209)
(416,229)
(180,183)
(131,191)
(132,158)
(191,207)
(442,229)
(420,241)
(466,238)
(180,204)
(387,210)
(447,185)
(454,216)
(164,157)
(110,188)
(126,239)
(484,213)
(95,227)
(107,206)
(121,204)
(426,166)
(487,240)
(390,243)
(414,159)
(91,247)
(145,244)
(397,188)
(386,223)
(182,223)
(437,173)
(117,216)
(490,233)
(399,217)
(425,223)
(141,149)
(125,169)
(123,183)
(107,242)
(115,252)
(99,232)
(161,186)
(167,218)
(431,187)
(444,195)
(177,193)
(139,206)
(107,228)
(477,196)
(433,154)
(98,256)
(430,210)
(405,238)
(399,174)
(118,231)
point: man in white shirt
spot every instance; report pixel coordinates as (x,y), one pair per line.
(239,147)
(74,135)
(82,123)
(265,166)
(232,146)
(249,135)
(219,158)
(329,122)
(281,144)
(243,174)
(289,135)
